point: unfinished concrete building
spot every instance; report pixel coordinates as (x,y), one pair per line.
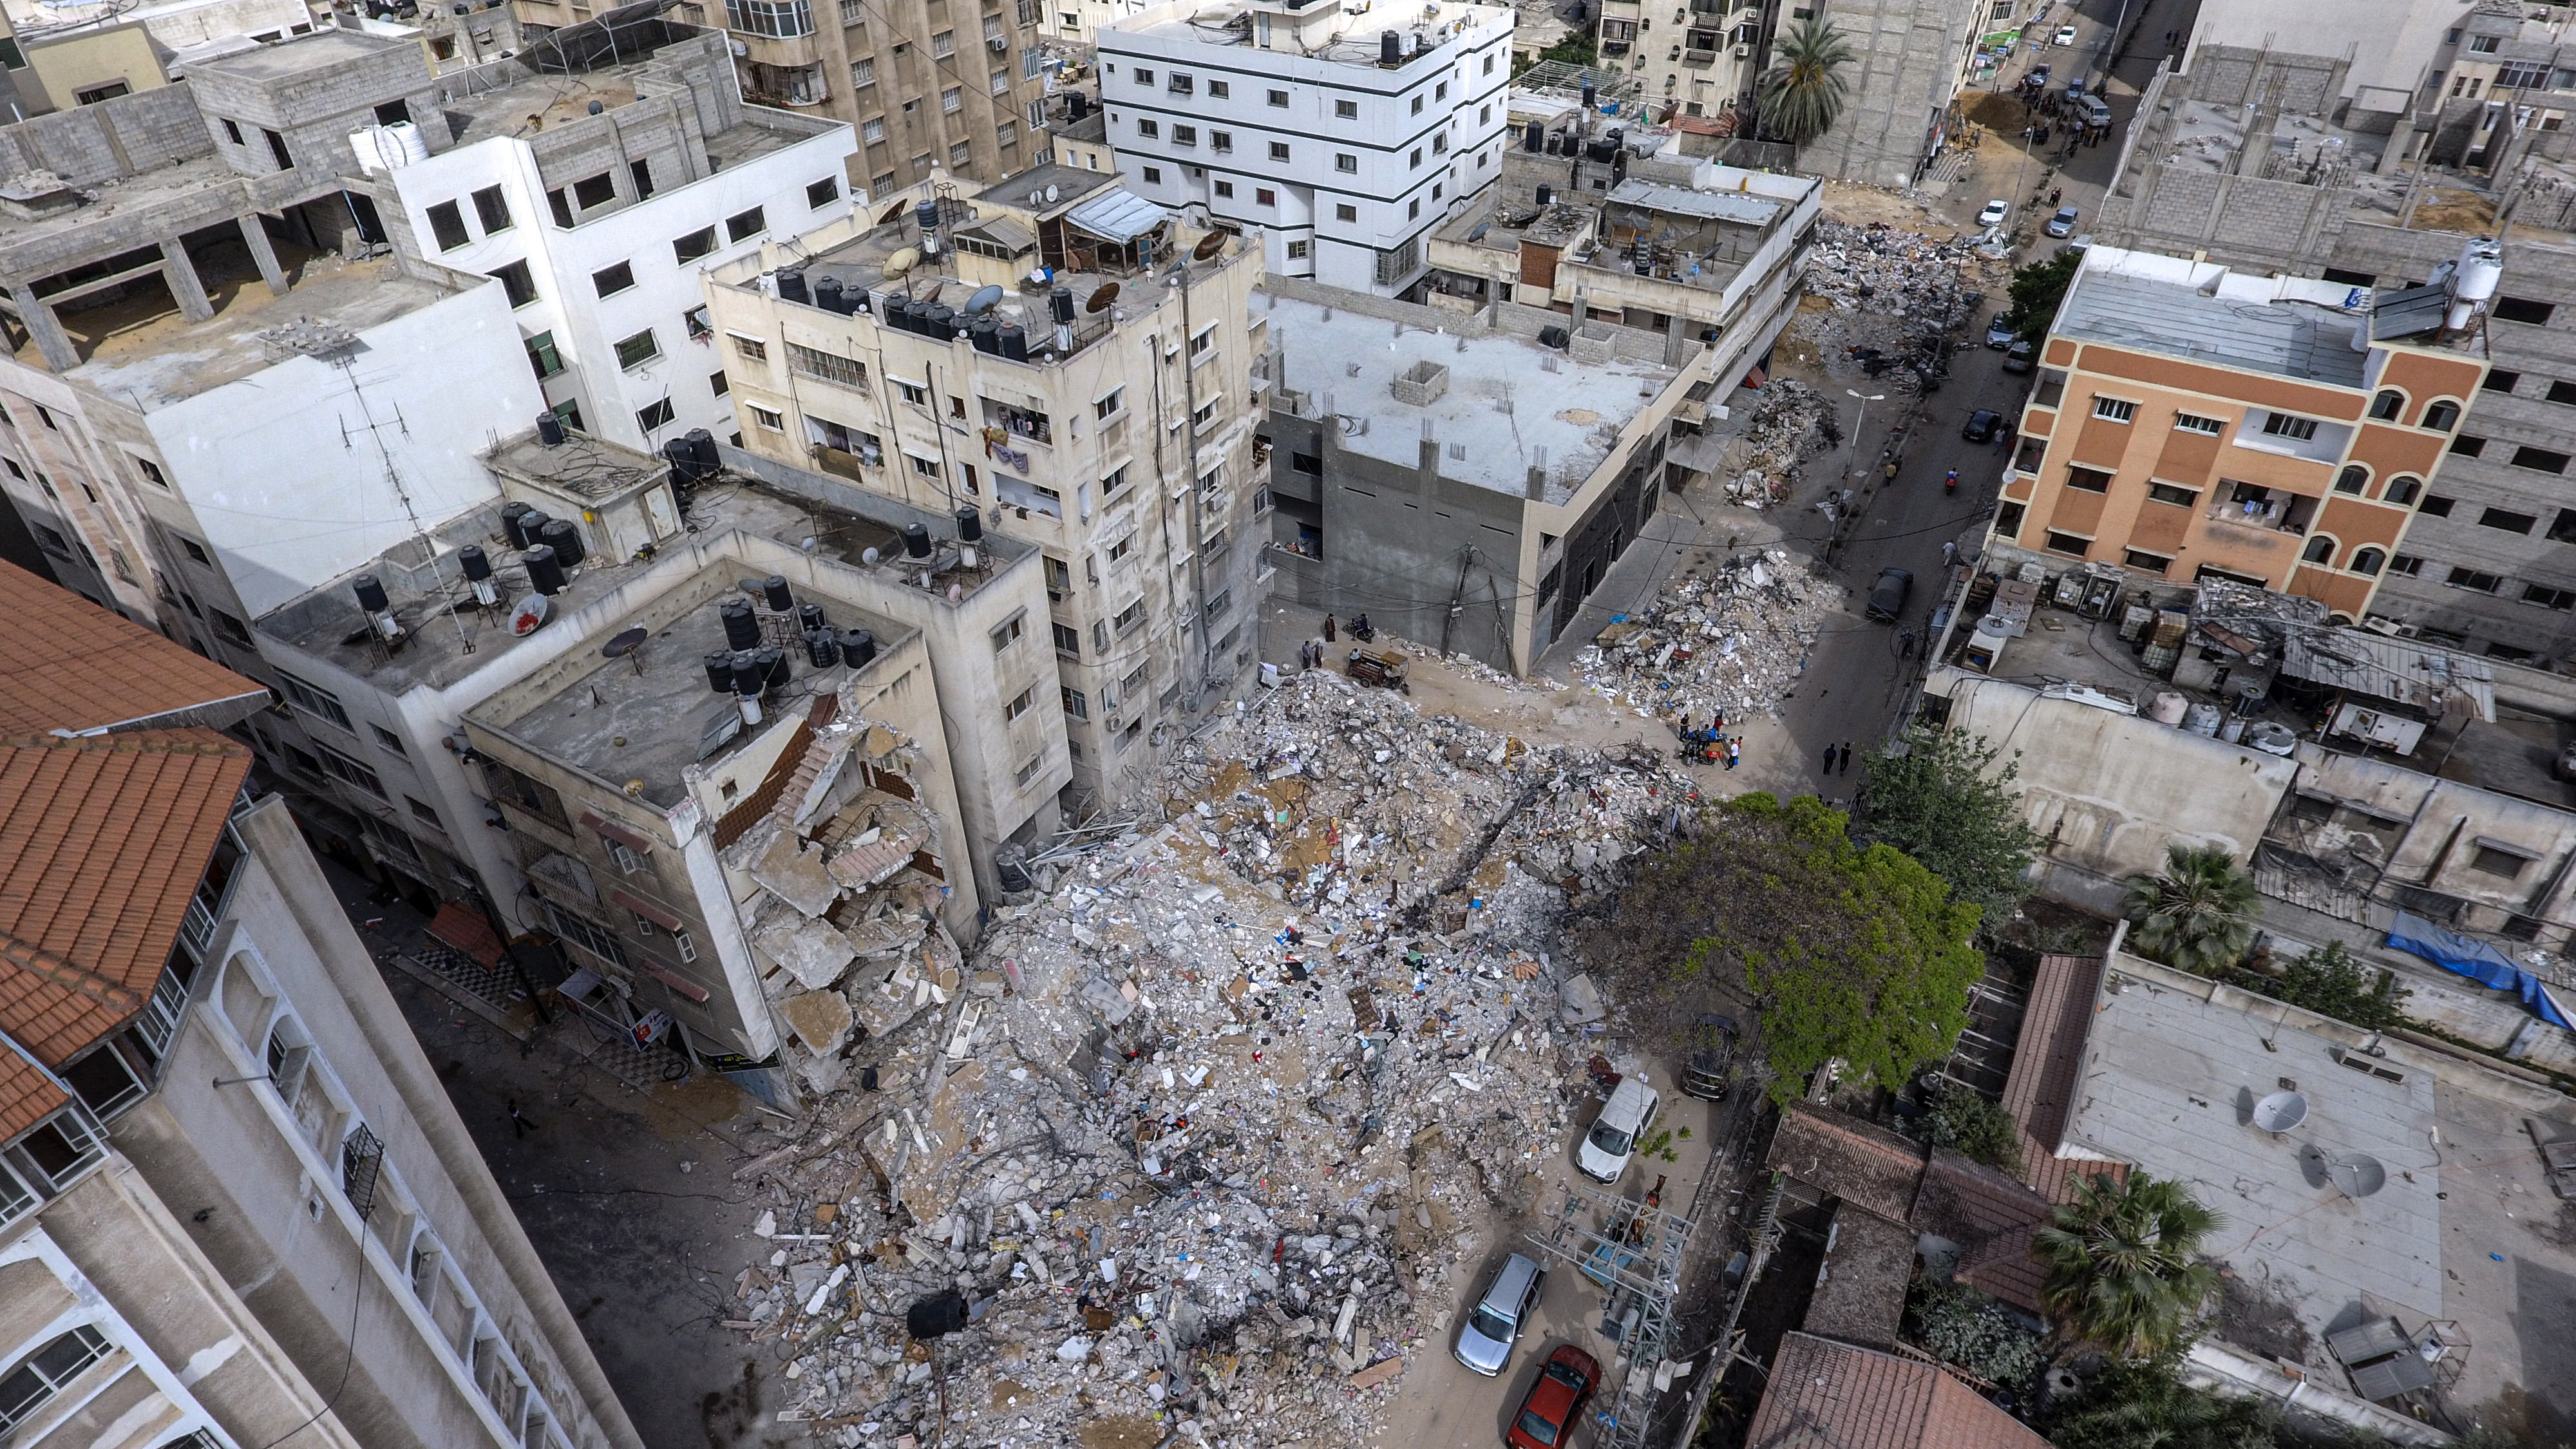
(1466,481)
(1909,58)
(1107,414)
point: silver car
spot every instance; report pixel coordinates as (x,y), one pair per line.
(1485,1339)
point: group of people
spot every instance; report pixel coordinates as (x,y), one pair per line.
(1360,629)
(1710,743)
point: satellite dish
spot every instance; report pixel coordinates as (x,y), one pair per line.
(903,261)
(626,642)
(528,613)
(1208,247)
(1050,195)
(983,300)
(894,211)
(867,556)
(2281,1111)
(2356,1174)
(1101,299)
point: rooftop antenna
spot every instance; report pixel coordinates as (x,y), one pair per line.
(343,355)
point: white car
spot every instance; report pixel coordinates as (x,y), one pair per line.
(2066,35)
(1603,1157)
(1994,214)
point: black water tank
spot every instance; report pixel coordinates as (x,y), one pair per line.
(986,334)
(1552,336)
(1535,137)
(478,567)
(514,523)
(916,541)
(1600,150)
(702,446)
(544,574)
(1390,48)
(970,524)
(827,293)
(773,590)
(1546,194)
(742,631)
(822,648)
(1014,340)
(550,429)
(1076,106)
(684,465)
(898,312)
(858,646)
(791,284)
(720,672)
(925,214)
(564,538)
(773,659)
(750,674)
(940,322)
(532,525)
(1587,95)
(809,617)
(1060,304)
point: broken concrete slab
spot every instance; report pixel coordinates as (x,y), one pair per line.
(812,951)
(793,871)
(820,1019)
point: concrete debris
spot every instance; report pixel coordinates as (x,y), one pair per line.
(1215,1119)
(1790,424)
(1734,638)
(1892,299)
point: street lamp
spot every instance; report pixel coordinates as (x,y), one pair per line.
(1858,418)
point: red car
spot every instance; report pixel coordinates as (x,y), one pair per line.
(1555,1401)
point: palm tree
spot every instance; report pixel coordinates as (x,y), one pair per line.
(2198,914)
(2123,1264)
(2146,1405)
(1803,91)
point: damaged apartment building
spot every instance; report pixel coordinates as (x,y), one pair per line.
(672,722)
(316,251)
(1107,414)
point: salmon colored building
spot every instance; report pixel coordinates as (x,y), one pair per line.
(2190,422)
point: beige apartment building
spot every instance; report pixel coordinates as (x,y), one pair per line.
(1106,415)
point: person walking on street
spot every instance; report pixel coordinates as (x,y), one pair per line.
(519,1126)
(1949,553)
(1829,758)
(1844,766)
(1329,630)
(1734,752)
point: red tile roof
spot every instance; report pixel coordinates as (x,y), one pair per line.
(2045,1065)
(102,843)
(28,1095)
(1985,1212)
(1864,1165)
(1828,1395)
(67,664)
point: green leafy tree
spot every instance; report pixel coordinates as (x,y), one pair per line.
(2124,1267)
(2146,1405)
(1847,952)
(1941,799)
(2330,983)
(2036,290)
(1803,92)
(2197,914)
(1962,1120)
(1963,1326)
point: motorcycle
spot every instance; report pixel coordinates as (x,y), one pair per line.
(1951,483)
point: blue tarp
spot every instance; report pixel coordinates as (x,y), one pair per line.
(2476,960)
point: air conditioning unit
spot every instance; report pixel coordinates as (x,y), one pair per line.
(1114,724)
(997,43)
(1743,51)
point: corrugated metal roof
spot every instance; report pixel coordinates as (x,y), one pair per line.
(1120,215)
(1742,207)
(2288,339)
(2402,671)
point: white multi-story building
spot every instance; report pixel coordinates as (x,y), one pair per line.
(1341,132)
(598,222)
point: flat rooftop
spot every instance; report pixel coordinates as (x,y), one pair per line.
(533,102)
(1512,403)
(2285,338)
(1355,35)
(321,50)
(650,716)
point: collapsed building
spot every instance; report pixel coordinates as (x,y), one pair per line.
(1209,1126)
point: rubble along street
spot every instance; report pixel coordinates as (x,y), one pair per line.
(1734,638)
(1217,1110)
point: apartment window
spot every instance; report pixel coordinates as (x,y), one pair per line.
(2068,543)
(1217,606)
(559,207)
(2467,578)
(829,366)
(516,284)
(231,628)
(1225,190)
(1440,144)
(1413,208)
(2091,480)
(1221,142)
(2562,529)
(2541,460)
(744,225)
(1068,640)
(1008,633)
(1416,158)
(1220,90)
(1297,251)
(656,414)
(195,550)
(2524,310)
(1345,212)
(1006,134)
(635,351)
(1019,704)
(1153,175)
(150,470)
(872,132)
(44,1374)
(2388,405)
(2442,416)
(1119,551)
(1489,65)
(1110,486)
(2436,506)
(1346,110)
(2369,561)
(863,72)
(1278,150)
(778,19)
(769,418)
(1279,98)
(51,539)
(2284,425)
(925,467)
(543,357)
(1264,196)
(589,937)
(2482,44)
(2168,493)
(1344,161)
(944,44)
(822,193)
(917,396)
(1075,706)
(340,767)
(2507,520)
(1107,405)
(2548,598)
(1185,135)
(1144,77)
(609,281)
(2499,380)
(594,191)
(420,810)
(2468,447)
(1417,105)
(2154,563)
(320,702)
(387,739)
(447,224)
(1128,618)
(2406,564)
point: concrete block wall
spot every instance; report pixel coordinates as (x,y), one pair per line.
(316,106)
(2230,75)
(91,144)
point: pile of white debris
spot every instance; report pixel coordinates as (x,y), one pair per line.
(1732,637)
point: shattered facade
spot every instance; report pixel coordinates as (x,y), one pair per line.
(1198,1145)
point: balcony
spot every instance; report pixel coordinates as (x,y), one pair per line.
(2269,509)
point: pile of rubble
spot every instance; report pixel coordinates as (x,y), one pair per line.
(1791,423)
(1473,667)
(1733,638)
(1209,1125)
(1893,298)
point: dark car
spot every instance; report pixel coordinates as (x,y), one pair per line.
(1555,1401)
(1887,596)
(1999,334)
(2017,358)
(1712,1053)
(1981,425)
